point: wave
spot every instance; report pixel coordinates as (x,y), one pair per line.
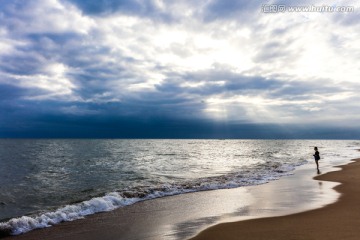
(24,224)
(258,174)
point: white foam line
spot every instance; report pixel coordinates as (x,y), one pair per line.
(114,200)
(68,213)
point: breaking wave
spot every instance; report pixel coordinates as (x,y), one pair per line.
(256,175)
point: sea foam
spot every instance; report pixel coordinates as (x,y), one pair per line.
(24,224)
(264,173)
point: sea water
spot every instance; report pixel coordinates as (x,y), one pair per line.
(45,182)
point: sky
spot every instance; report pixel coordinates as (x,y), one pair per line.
(179,69)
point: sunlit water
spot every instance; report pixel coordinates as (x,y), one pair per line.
(44,182)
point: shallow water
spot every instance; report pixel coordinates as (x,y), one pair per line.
(50,181)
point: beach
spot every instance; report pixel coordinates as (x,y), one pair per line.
(183,216)
(340,220)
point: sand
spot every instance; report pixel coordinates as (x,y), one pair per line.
(183,216)
(340,220)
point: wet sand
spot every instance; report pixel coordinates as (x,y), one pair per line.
(340,220)
(183,216)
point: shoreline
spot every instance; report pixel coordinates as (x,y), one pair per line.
(338,220)
(183,216)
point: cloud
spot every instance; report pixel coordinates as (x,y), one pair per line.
(349,19)
(140,7)
(43,16)
(110,6)
(153,9)
(158,61)
(228,9)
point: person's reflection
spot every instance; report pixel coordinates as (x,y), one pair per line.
(320,186)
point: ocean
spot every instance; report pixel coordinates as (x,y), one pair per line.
(48,181)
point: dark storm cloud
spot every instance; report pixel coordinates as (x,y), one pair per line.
(207,10)
(90,71)
(17,113)
(11,94)
(60,126)
(26,62)
(216,82)
(104,99)
(142,8)
(8,92)
(229,9)
(12,106)
(279,95)
(235,83)
(110,6)
(300,90)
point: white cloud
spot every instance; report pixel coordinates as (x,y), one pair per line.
(52,81)
(45,16)
(114,57)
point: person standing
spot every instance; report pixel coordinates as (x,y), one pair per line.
(317,157)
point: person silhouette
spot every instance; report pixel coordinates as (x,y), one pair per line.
(317,157)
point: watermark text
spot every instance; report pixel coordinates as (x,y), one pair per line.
(278,8)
